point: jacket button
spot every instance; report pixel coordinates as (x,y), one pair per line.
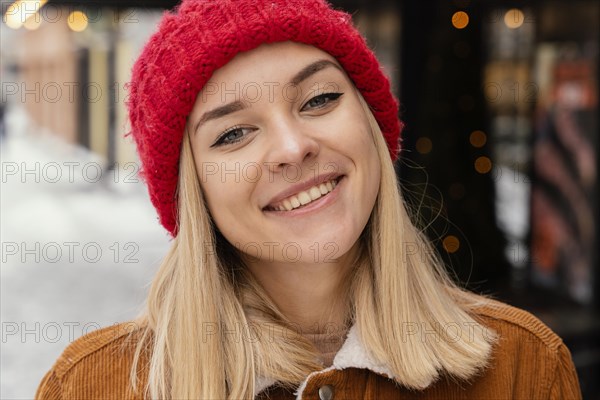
(326,392)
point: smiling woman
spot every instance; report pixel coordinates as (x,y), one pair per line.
(319,136)
(268,135)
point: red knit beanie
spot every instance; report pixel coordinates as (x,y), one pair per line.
(202,36)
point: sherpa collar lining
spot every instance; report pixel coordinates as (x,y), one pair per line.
(352,354)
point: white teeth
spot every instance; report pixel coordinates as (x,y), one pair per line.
(314,192)
(306,196)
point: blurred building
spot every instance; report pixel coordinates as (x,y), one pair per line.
(501,102)
(71,64)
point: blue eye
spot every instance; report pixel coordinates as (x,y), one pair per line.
(321,100)
(231,136)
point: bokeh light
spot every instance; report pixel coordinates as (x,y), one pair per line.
(460,20)
(424,145)
(77,21)
(478,139)
(21,12)
(483,165)
(451,244)
(514,18)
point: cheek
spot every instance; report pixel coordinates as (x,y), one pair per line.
(228,198)
(219,195)
(366,156)
(352,127)
(216,193)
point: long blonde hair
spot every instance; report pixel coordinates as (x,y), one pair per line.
(210,329)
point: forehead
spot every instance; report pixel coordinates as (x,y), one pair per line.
(271,62)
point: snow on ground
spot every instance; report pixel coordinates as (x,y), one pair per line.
(78,251)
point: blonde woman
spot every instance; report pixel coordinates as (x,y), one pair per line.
(267,134)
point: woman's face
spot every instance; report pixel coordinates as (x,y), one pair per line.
(284,154)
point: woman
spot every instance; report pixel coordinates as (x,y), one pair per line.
(267,134)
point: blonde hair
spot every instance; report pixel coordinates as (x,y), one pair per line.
(400,296)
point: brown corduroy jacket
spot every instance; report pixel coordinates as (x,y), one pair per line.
(528,362)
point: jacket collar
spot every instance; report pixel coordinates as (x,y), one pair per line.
(352,354)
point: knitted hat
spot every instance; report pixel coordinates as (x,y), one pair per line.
(202,36)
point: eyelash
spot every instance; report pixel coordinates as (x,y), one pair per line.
(221,140)
(333,96)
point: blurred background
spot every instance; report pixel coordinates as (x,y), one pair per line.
(500,160)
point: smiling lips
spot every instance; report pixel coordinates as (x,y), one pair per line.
(304,197)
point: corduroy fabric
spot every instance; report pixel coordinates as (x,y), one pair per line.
(204,35)
(529,362)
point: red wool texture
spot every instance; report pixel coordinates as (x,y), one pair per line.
(201,36)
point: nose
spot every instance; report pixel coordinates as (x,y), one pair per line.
(291,144)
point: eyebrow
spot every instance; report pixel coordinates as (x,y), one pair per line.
(238,105)
(312,69)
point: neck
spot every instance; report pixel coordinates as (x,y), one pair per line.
(313,296)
